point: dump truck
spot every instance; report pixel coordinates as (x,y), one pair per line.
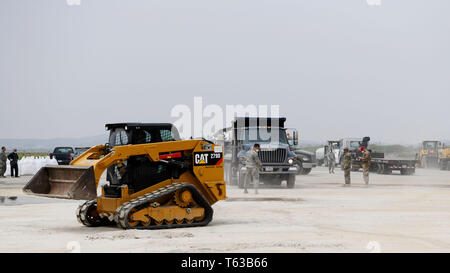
(154,179)
(278,161)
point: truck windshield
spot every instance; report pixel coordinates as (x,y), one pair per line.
(256,135)
(335,146)
(80,150)
(355,144)
(63,150)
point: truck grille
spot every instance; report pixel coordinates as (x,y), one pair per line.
(272,156)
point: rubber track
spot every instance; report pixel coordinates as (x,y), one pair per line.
(122,212)
(82,211)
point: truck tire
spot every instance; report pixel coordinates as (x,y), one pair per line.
(291,181)
(378,169)
(443,165)
(406,172)
(299,167)
(306,171)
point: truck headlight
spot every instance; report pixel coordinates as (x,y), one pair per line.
(290,161)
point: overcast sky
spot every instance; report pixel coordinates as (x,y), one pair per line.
(336,68)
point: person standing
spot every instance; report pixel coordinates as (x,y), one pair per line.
(13,159)
(3,159)
(347,164)
(365,159)
(331,160)
(253,165)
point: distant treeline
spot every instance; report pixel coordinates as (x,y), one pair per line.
(32,154)
(397,150)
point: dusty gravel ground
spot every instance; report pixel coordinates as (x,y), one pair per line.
(393,214)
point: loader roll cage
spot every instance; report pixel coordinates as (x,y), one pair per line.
(141,133)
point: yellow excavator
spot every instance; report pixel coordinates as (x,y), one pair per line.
(154,180)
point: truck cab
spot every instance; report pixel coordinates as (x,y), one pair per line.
(334,145)
(353,145)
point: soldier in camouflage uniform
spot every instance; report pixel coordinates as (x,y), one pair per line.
(365,162)
(347,164)
(3,159)
(253,165)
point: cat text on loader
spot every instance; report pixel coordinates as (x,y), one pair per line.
(155,180)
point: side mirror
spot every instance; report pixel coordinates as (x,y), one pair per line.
(295,137)
(51,155)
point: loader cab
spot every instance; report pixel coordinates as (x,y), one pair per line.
(430,146)
(141,133)
(138,172)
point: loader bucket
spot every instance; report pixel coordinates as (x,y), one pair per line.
(67,182)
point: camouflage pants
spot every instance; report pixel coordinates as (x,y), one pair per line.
(2,170)
(365,168)
(347,176)
(252,174)
(331,166)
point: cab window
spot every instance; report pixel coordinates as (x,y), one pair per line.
(167,135)
(118,137)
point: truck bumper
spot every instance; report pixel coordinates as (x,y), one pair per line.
(268,170)
(63,161)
